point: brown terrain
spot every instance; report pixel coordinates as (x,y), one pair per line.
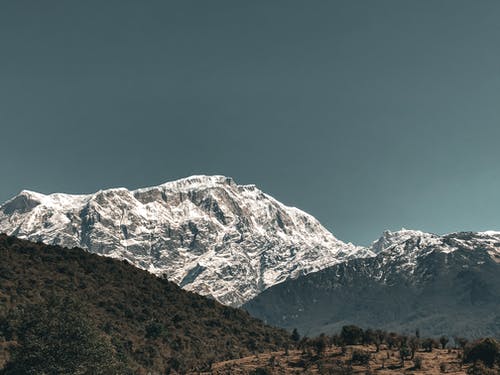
(333,361)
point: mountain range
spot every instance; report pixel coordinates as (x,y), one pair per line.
(205,233)
(437,284)
(240,246)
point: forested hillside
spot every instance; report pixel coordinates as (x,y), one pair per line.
(150,323)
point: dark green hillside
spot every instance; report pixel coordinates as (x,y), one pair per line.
(151,323)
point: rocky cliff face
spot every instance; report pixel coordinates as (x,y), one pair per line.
(439,284)
(206,233)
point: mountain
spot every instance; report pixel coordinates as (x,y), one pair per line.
(205,233)
(439,284)
(152,323)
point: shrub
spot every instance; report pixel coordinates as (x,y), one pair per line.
(320,343)
(57,338)
(478,368)
(360,357)
(443,340)
(295,335)
(351,335)
(485,350)
(443,366)
(417,363)
(154,330)
(428,344)
(341,368)
(262,371)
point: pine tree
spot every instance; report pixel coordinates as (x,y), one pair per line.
(295,335)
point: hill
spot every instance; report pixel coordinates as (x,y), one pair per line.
(152,322)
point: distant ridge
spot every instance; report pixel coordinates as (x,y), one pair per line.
(438,284)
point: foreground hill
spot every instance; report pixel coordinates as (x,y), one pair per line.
(440,284)
(205,233)
(152,322)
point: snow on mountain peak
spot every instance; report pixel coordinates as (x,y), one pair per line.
(206,233)
(390,239)
(404,248)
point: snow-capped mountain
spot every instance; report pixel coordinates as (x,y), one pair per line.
(206,233)
(404,250)
(446,284)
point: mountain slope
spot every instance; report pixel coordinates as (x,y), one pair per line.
(440,284)
(151,321)
(205,233)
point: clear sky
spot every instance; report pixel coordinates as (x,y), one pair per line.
(370,115)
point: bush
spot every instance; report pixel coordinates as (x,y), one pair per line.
(428,344)
(485,350)
(57,338)
(360,357)
(341,368)
(295,335)
(443,340)
(478,368)
(351,335)
(261,371)
(154,330)
(443,366)
(417,363)
(320,344)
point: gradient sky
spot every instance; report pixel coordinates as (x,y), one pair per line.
(370,115)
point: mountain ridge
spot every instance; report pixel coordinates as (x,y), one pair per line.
(206,233)
(439,284)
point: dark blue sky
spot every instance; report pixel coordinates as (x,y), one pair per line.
(367,114)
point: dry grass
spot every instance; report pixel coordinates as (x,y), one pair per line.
(385,362)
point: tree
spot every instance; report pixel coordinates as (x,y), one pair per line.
(56,337)
(303,344)
(461,342)
(428,344)
(417,363)
(478,368)
(393,340)
(295,335)
(444,341)
(335,340)
(154,330)
(369,337)
(414,344)
(379,338)
(404,352)
(360,357)
(351,335)
(485,350)
(320,343)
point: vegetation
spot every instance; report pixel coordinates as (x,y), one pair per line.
(378,352)
(57,337)
(65,311)
(132,318)
(395,354)
(486,351)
